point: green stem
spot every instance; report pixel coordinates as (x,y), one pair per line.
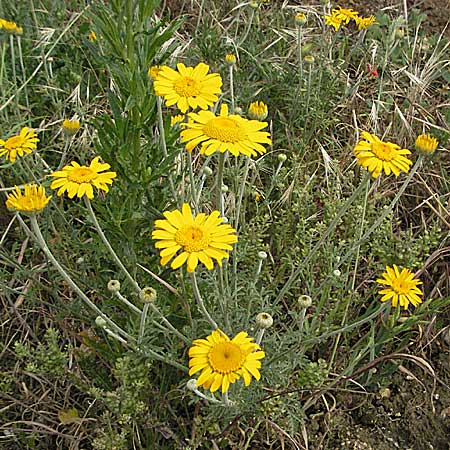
(300,60)
(42,243)
(169,326)
(321,241)
(22,67)
(200,302)
(192,181)
(128,303)
(13,58)
(219,199)
(108,245)
(64,153)
(231,88)
(2,66)
(142,323)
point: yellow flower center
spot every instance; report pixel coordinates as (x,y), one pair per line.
(187,87)
(401,286)
(383,151)
(224,129)
(14,142)
(82,175)
(226,357)
(192,238)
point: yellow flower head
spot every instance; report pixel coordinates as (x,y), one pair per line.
(225,132)
(24,142)
(11,27)
(402,287)
(365,22)
(230,59)
(92,36)
(377,156)
(80,180)
(153,72)
(426,144)
(345,14)
(258,110)
(333,20)
(223,361)
(200,238)
(189,87)
(70,126)
(33,200)
(300,19)
(176,119)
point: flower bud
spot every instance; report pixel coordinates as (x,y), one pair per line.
(282,157)
(100,322)
(253,4)
(70,126)
(399,33)
(224,189)
(113,286)
(191,384)
(148,295)
(207,171)
(300,19)
(337,273)
(258,111)
(230,59)
(308,59)
(304,301)
(238,111)
(264,320)
(262,255)
(426,144)
(176,119)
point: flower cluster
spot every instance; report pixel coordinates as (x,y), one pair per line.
(345,15)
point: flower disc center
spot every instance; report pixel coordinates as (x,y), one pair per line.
(401,286)
(224,129)
(383,151)
(14,142)
(192,238)
(226,357)
(82,175)
(187,87)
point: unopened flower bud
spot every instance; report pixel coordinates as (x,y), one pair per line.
(282,157)
(230,59)
(264,320)
(304,301)
(191,384)
(426,144)
(113,286)
(258,110)
(238,110)
(262,255)
(308,59)
(253,4)
(399,33)
(148,295)
(100,322)
(207,171)
(337,273)
(70,126)
(153,72)
(300,19)
(224,189)
(80,260)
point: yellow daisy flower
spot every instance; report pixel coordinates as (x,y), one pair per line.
(224,133)
(426,143)
(345,14)
(92,36)
(365,22)
(201,238)
(258,110)
(333,21)
(176,119)
(79,180)
(402,287)
(376,155)
(33,200)
(11,27)
(189,87)
(23,143)
(223,361)
(70,126)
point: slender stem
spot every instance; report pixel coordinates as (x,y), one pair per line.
(128,303)
(260,335)
(321,241)
(13,58)
(192,180)
(22,66)
(142,323)
(156,310)
(67,143)
(2,66)
(200,302)
(108,245)
(241,192)
(205,397)
(272,183)
(219,199)
(42,243)
(226,401)
(231,88)
(302,321)
(300,59)
(249,25)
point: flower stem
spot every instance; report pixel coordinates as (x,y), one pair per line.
(219,199)
(200,302)
(231,88)
(259,336)
(128,303)
(64,153)
(42,243)
(24,75)
(300,60)
(142,323)
(108,245)
(192,180)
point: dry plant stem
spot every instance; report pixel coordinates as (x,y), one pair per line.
(355,270)
(321,241)
(108,245)
(200,302)
(42,243)
(162,136)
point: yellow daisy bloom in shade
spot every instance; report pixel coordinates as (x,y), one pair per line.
(201,238)
(345,14)
(402,287)
(426,144)
(224,133)
(333,21)
(223,361)
(365,22)
(80,180)
(176,119)
(33,200)
(376,155)
(258,110)
(24,142)
(189,87)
